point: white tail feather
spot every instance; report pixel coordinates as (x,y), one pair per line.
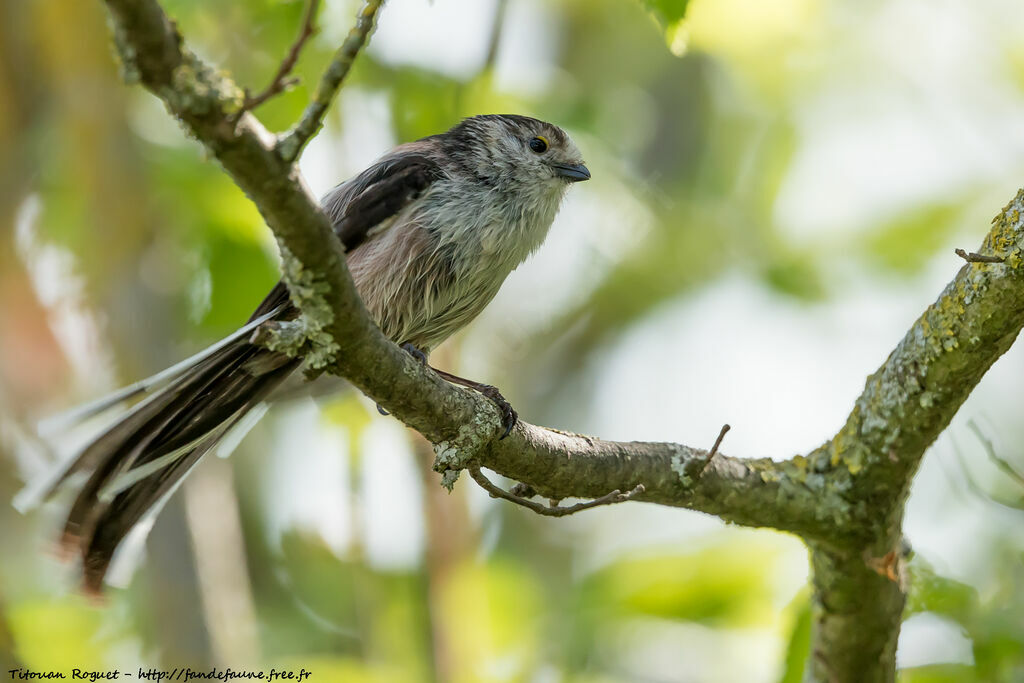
(62,421)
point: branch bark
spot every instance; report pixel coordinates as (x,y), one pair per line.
(845,499)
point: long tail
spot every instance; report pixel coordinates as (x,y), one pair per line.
(145,454)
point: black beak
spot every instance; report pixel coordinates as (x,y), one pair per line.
(572,172)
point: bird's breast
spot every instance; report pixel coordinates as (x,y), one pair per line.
(443,260)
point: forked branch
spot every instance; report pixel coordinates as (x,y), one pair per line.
(290,145)
(553,510)
(282,80)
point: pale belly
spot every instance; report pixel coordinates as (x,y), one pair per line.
(422,284)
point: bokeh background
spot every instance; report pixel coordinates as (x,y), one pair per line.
(778,188)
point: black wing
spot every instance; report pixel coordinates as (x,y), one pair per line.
(359,206)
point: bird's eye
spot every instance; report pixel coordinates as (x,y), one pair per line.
(539,144)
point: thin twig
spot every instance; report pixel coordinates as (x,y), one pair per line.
(291,143)
(703,464)
(981,493)
(718,441)
(494,42)
(990,450)
(973,257)
(615,496)
(281,81)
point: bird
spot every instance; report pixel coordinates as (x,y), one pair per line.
(431,230)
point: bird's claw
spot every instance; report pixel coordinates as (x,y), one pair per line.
(415,353)
(509,417)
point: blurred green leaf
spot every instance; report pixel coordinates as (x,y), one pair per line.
(59,635)
(939,673)
(491,612)
(667,12)
(907,242)
(726,585)
(321,581)
(799,647)
(349,411)
(930,592)
(796,275)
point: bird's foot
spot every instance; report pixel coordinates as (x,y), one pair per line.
(509,417)
(415,353)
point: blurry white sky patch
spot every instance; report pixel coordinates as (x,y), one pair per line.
(308,487)
(918,103)
(782,373)
(652,650)
(392,498)
(449,36)
(366,134)
(929,639)
(306,482)
(60,290)
(526,57)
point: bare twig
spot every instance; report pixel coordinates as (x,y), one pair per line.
(979,492)
(718,441)
(615,496)
(281,80)
(974,257)
(696,469)
(290,145)
(990,450)
(494,42)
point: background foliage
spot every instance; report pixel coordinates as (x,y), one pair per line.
(777,191)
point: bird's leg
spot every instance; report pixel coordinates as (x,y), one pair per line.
(509,417)
(415,353)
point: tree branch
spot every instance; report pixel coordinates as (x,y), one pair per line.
(846,498)
(291,144)
(974,257)
(905,405)
(281,81)
(552,510)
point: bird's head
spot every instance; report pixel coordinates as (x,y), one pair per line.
(517,153)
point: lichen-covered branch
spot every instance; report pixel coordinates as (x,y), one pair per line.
(858,607)
(905,405)
(846,498)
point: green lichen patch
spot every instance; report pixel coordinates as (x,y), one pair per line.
(308,292)
(687,463)
(198,89)
(130,73)
(448,479)
(453,455)
(288,337)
